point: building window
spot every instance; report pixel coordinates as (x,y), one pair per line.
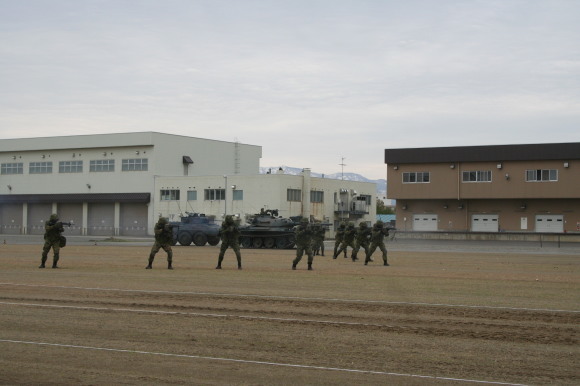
(477,176)
(214,194)
(294,195)
(40,167)
(364,197)
(103,165)
(316,196)
(12,168)
(238,195)
(170,195)
(416,178)
(191,195)
(134,165)
(541,175)
(70,167)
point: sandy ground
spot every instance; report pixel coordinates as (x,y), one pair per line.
(435,316)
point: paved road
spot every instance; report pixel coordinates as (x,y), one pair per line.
(533,247)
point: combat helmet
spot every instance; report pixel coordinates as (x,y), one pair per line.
(54,217)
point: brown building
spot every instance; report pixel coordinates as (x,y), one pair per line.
(511,188)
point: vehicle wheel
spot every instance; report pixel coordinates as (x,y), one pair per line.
(213,240)
(281,242)
(257,242)
(246,242)
(269,242)
(184,238)
(199,239)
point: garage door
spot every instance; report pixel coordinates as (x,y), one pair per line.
(485,223)
(550,223)
(11,219)
(101,219)
(133,221)
(38,215)
(425,222)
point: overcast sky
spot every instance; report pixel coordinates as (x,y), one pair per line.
(311,81)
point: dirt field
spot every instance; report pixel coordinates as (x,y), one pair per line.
(430,318)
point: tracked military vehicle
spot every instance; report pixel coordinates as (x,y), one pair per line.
(196,228)
(268,230)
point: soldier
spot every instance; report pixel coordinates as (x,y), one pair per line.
(163,239)
(230,234)
(362,239)
(318,233)
(52,239)
(338,238)
(378,234)
(303,234)
(348,240)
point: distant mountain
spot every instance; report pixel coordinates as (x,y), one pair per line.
(381,184)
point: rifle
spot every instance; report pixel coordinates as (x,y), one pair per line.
(68,224)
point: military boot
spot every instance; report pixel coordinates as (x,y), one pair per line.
(169,265)
(218,267)
(294,266)
(310,266)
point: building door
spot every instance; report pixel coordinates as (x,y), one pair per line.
(485,223)
(101,219)
(11,219)
(550,223)
(424,222)
(133,221)
(38,215)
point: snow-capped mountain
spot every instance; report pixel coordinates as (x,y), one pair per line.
(381,183)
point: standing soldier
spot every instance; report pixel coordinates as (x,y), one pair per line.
(52,239)
(163,239)
(377,240)
(338,238)
(362,239)
(348,240)
(230,235)
(318,232)
(303,243)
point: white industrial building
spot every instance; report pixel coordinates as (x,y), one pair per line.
(119,184)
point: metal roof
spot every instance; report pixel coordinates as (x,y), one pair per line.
(532,152)
(75,198)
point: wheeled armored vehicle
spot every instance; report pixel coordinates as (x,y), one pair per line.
(196,228)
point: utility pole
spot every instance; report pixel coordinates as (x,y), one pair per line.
(343,165)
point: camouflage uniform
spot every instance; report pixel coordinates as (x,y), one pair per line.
(362,239)
(318,239)
(52,239)
(163,239)
(230,235)
(378,234)
(338,238)
(348,240)
(303,234)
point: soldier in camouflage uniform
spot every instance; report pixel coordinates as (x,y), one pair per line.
(52,239)
(230,235)
(348,240)
(318,233)
(378,234)
(163,239)
(362,239)
(303,234)
(338,238)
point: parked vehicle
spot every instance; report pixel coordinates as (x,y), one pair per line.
(196,228)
